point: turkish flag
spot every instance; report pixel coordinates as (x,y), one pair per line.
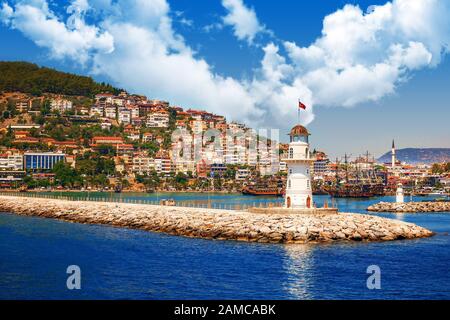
(301,105)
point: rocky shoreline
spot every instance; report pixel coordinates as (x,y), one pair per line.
(220,224)
(411,207)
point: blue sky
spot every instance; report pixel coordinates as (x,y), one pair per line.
(368,74)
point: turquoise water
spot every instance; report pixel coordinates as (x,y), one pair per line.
(121,263)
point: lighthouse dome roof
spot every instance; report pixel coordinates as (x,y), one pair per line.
(299,130)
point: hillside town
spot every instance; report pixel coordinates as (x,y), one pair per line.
(132,143)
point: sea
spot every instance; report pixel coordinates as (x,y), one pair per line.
(37,256)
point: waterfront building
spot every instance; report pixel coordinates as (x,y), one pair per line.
(163,165)
(242,174)
(143,165)
(299,161)
(202,168)
(41,160)
(11,161)
(10,178)
(217,169)
(321,164)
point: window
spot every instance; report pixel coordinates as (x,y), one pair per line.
(290,171)
(289,184)
(291,153)
(307,184)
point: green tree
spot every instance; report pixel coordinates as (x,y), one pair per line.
(65,175)
(436,168)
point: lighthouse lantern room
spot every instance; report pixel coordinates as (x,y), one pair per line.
(299,160)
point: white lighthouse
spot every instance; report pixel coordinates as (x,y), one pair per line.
(298,185)
(399,195)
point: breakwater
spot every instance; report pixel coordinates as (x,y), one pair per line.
(412,207)
(220,224)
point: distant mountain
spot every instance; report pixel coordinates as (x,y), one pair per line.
(418,155)
(30,78)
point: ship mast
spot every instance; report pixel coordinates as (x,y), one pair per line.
(346,167)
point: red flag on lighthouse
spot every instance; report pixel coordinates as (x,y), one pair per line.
(301,105)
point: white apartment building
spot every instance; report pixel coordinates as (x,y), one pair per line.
(184,166)
(22,105)
(11,162)
(159,119)
(111,112)
(143,165)
(242,174)
(197,126)
(118,101)
(134,111)
(124,116)
(163,165)
(96,110)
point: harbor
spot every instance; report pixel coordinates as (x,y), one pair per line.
(417,207)
(220,224)
(115,258)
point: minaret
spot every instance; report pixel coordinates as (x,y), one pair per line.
(393,155)
(298,186)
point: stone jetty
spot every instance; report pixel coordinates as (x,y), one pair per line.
(220,224)
(412,207)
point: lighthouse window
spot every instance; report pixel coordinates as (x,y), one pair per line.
(291,152)
(289,184)
(307,184)
(290,171)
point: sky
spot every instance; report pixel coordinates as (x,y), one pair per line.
(368,71)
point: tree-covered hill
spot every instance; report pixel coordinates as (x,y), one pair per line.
(30,78)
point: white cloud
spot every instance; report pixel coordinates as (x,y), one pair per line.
(275,89)
(363,56)
(360,56)
(6,13)
(243,20)
(74,39)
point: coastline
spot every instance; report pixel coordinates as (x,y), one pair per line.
(220,224)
